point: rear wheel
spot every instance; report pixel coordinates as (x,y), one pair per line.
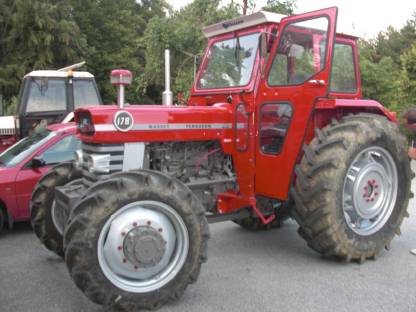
(48,223)
(136,241)
(353,187)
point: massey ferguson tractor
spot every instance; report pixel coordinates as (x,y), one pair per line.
(275,123)
(48,97)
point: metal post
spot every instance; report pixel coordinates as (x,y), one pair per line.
(120,96)
(167,97)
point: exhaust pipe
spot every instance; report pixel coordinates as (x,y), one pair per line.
(167,97)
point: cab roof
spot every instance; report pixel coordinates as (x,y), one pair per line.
(254,19)
(58,74)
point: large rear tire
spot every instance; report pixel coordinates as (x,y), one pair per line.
(48,224)
(136,240)
(353,187)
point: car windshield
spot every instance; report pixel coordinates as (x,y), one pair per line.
(25,147)
(230,63)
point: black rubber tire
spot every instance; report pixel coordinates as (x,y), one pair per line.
(41,205)
(319,186)
(103,200)
(2,219)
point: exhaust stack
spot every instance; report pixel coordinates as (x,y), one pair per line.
(167,97)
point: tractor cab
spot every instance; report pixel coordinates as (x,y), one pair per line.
(48,97)
(268,50)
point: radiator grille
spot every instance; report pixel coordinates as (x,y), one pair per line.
(116,152)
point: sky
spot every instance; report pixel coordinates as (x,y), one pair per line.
(362,18)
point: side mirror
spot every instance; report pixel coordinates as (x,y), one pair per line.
(37,162)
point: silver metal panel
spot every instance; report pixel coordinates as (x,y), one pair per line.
(133,156)
(167,126)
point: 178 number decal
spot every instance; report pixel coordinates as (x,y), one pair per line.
(123,121)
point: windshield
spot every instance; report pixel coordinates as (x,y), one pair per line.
(85,93)
(22,149)
(230,63)
(46,94)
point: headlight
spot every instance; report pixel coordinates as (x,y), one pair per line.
(98,163)
(85,124)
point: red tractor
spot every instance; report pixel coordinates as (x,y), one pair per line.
(275,123)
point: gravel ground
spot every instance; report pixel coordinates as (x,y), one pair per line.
(267,271)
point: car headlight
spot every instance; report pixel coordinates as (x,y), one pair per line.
(98,163)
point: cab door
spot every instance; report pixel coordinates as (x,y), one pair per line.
(297,74)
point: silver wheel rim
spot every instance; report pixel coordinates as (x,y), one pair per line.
(370,190)
(57,219)
(143,246)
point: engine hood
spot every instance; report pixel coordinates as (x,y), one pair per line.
(160,123)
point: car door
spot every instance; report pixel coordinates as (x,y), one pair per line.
(60,151)
(297,74)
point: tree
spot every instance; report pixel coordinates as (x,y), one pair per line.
(114,32)
(181,32)
(282,7)
(35,34)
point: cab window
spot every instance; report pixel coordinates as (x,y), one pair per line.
(46,95)
(301,52)
(274,124)
(85,93)
(343,78)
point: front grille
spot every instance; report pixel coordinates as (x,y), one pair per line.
(9,131)
(116,152)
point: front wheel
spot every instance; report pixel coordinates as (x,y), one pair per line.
(136,241)
(48,222)
(353,187)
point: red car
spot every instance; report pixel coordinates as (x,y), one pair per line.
(24,163)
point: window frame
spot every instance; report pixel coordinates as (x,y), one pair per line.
(276,47)
(205,61)
(247,136)
(353,65)
(357,93)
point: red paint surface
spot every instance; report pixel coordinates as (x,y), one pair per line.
(257,173)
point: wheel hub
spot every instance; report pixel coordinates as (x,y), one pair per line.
(370,190)
(144,246)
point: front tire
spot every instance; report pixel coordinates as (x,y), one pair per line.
(2,219)
(47,223)
(136,240)
(353,187)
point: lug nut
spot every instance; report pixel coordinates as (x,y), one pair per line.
(160,230)
(119,248)
(375,193)
(123,233)
(149,222)
(135,267)
(124,260)
(134,224)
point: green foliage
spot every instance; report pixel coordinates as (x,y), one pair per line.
(35,34)
(181,32)
(283,7)
(388,67)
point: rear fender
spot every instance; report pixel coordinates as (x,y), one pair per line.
(328,109)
